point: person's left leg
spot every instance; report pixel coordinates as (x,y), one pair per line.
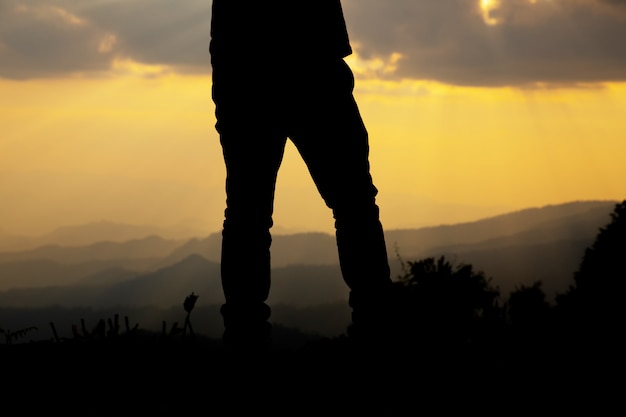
(331,137)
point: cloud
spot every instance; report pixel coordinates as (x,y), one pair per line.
(515,42)
(53,38)
(37,38)
(510,42)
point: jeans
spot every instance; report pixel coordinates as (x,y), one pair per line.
(311,104)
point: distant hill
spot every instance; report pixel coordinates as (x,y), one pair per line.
(297,249)
(576,220)
(296,285)
(59,265)
(545,243)
(38,273)
(87,234)
(145,248)
(539,244)
(153,275)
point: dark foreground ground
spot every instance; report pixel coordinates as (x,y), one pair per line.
(181,376)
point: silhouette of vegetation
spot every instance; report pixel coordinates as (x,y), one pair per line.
(101,331)
(11,336)
(174,330)
(603,265)
(531,325)
(593,307)
(110,328)
(188,305)
(446,303)
(527,308)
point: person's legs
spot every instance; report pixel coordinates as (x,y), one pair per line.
(330,135)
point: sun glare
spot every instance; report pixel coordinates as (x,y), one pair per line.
(487,7)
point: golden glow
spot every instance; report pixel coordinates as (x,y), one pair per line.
(496,147)
(375,67)
(129,67)
(439,154)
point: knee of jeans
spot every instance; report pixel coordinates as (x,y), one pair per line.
(356,214)
(247,220)
(246,238)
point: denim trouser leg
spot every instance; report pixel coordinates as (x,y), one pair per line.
(332,139)
(317,111)
(252,162)
(251,171)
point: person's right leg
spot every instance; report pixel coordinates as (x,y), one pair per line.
(252,163)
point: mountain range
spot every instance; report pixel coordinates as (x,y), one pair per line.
(512,250)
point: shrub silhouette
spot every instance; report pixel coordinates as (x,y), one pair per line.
(530,318)
(446,303)
(603,268)
(11,336)
(188,305)
(594,306)
(528,308)
(175,330)
(100,330)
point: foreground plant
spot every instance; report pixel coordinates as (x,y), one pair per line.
(11,336)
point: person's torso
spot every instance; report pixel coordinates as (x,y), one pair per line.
(281,29)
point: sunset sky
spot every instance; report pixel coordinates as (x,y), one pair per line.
(473,107)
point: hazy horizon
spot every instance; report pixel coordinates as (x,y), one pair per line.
(446,214)
(188,228)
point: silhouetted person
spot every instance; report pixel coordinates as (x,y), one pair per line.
(278,73)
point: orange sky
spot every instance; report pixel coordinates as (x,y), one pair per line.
(134,142)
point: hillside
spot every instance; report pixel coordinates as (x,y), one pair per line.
(539,244)
(502,246)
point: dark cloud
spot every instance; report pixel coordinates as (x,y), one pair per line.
(39,40)
(44,38)
(165,32)
(546,41)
